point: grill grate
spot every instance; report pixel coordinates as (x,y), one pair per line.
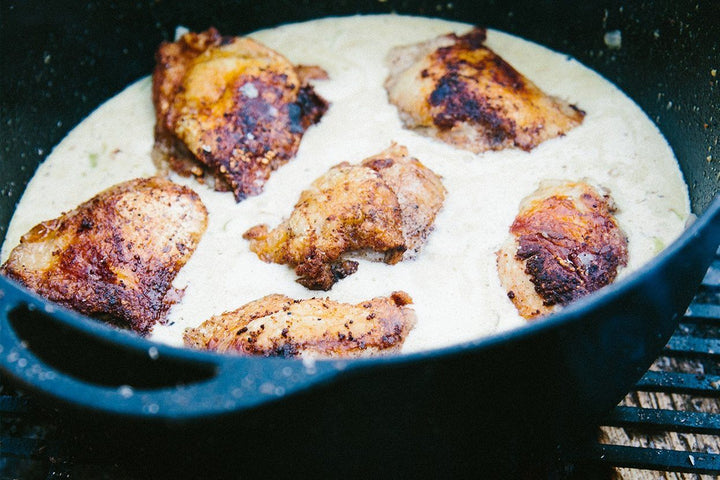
(29,445)
(687,373)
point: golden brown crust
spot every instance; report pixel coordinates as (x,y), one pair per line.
(387,204)
(456,89)
(564,244)
(116,255)
(230,110)
(277,325)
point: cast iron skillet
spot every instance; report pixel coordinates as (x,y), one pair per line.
(493,403)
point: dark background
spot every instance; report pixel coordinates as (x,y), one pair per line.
(60,60)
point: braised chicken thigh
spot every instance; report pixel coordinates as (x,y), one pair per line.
(230,110)
(565,243)
(277,325)
(456,89)
(387,204)
(116,255)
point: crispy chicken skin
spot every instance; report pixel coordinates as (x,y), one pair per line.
(564,244)
(277,325)
(457,90)
(230,110)
(116,255)
(387,204)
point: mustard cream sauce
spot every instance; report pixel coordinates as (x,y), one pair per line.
(453,282)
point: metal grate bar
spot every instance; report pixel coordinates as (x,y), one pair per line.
(712,277)
(655,459)
(698,347)
(669,420)
(708,312)
(673,382)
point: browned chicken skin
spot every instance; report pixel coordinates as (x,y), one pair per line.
(230,110)
(564,244)
(386,204)
(461,92)
(116,255)
(277,325)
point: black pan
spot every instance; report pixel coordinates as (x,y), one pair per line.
(491,404)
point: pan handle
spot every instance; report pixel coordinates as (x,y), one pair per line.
(224,383)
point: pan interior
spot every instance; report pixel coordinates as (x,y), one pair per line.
(114,159)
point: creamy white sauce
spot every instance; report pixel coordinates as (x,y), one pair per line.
(453,282)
